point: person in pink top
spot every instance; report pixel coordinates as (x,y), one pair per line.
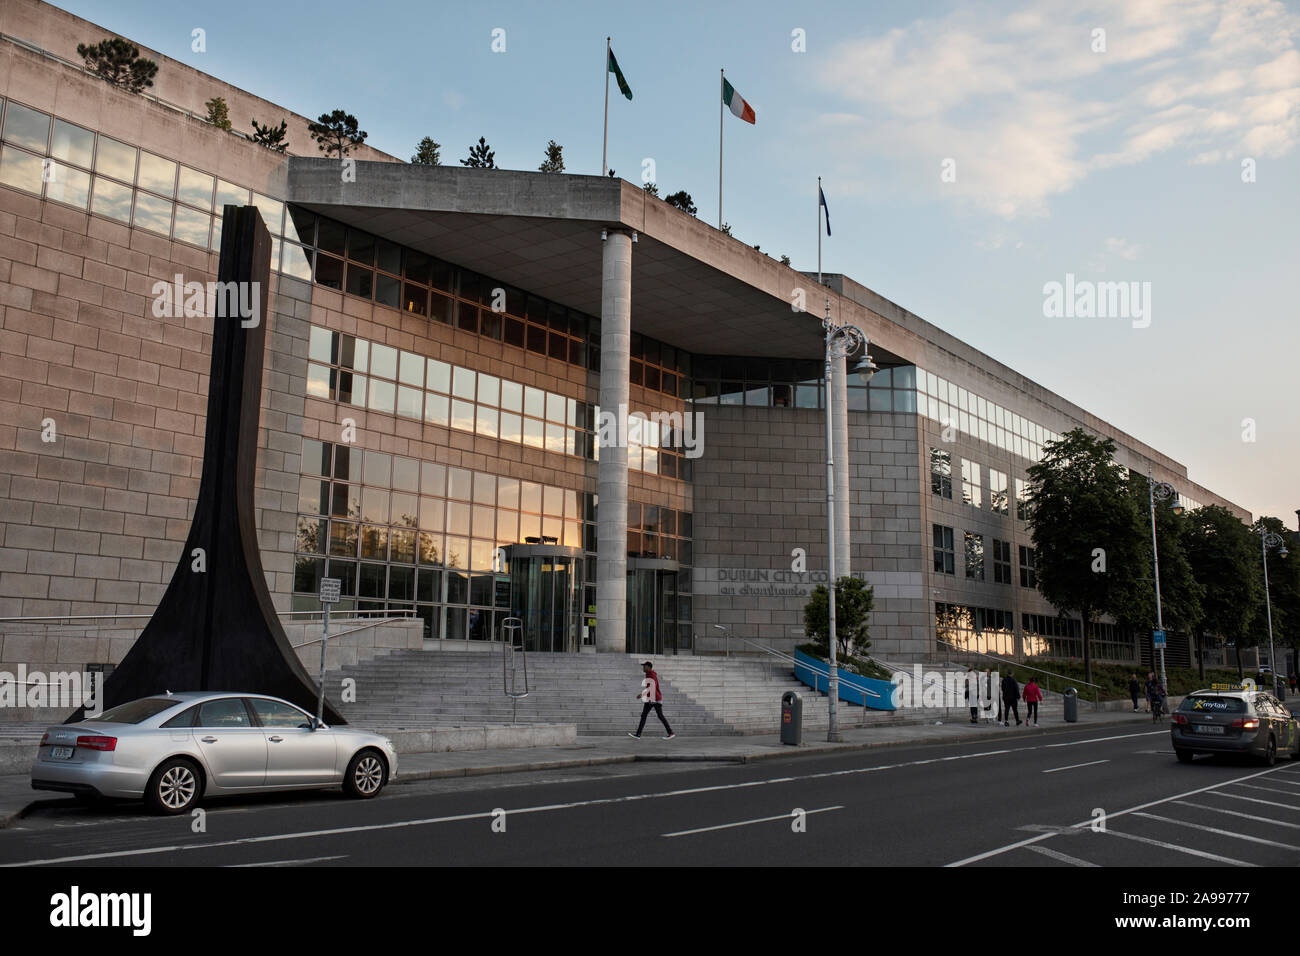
(652,697)
(1032,696)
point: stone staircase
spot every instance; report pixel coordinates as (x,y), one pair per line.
(597,692)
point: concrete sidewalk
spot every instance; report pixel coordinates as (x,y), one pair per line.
(16,793)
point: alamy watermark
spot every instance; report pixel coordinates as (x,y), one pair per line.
(222,300)
(683,430)
(66,690)
(1085,299)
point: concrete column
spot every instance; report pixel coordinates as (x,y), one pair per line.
(611,515)
(843,506)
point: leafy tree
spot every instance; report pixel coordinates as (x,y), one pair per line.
(853,603)
(426,153)
(652,189)
(336,133)
(119,62)
(272,137)
(480,156)
(1224,559)
(554,161)
(785,260)
(218,112)
(682,200)
(1085,531)
(1180,594)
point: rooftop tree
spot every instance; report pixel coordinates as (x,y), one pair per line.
(480,156)
(336,133)
(272,137)
(1086,531)
(426,153)
(682,200)
(218,112)
(554,161)
(119,61)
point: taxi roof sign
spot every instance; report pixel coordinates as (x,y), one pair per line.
(1248,685)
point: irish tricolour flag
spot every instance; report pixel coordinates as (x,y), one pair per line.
(736,103)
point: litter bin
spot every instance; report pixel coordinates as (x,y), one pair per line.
(791,718)
(1071,705)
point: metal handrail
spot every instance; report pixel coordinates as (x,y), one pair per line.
(351,630)
(1096,692)
(511,629)
(790,659)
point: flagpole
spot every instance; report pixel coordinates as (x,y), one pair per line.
(721,80)
(819,230)
(604,150)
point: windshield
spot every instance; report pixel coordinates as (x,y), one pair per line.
(134,712)
(1205,704)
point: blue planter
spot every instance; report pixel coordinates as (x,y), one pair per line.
(853,689)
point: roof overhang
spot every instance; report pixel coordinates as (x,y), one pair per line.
(692,286)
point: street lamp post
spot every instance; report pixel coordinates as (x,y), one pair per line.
(1158,491)
(841,342)
(1267,539)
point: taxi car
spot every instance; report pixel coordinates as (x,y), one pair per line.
(1234,718)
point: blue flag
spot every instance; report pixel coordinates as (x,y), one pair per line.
(827,208)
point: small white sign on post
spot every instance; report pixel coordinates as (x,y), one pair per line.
(330,589)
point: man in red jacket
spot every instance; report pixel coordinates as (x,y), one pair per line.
(651,697)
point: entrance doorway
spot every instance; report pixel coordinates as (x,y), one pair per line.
(652,606)
(546,595)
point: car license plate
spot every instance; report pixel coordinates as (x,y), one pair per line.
(1209,729)
(61,753)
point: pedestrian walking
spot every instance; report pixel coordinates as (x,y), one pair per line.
(973,694)
(1010,694)
(652,698)
(1032,696)
(1134,689)
(1293,683)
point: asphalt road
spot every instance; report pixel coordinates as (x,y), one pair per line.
(1034,799)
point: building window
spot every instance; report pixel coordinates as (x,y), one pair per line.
(1047,636)
(1028,568)
(1001,562)
(941,473)
(971,493)
(975,556)
(982,630)
(998,491)
(944,554)
(1022,500)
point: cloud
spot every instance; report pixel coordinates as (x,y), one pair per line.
(1026,109)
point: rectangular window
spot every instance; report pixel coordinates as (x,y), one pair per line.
(944,555)
(1001,562)
(1022,500)
(971,492)
(998,491)
(975,556)
(941,473)
(1028,570)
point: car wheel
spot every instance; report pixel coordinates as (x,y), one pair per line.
(366,775)
(1184,756)
(1270,752)
(174,788)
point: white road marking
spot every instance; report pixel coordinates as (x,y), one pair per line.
(1075,766)
(1178,849)
(1097,740)
(310,859)
(1227,833)
(1059,856)
(1110,816)
(1271,803)
(1284,793)
(745,823)
(1237,813)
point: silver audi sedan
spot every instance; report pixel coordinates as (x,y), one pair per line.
(174,749)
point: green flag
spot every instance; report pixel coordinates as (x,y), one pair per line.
(618,74)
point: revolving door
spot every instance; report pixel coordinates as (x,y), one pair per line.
(652,607)
(546,595)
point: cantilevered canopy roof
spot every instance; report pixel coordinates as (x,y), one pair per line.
(692,287)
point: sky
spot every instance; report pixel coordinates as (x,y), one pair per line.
(972,154)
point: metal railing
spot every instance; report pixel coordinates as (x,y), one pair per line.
(512,654)
(793,663)
(1047,685)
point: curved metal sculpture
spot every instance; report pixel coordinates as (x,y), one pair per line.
(215,627)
